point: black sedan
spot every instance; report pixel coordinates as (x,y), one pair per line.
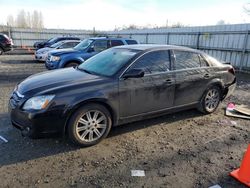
(117,86)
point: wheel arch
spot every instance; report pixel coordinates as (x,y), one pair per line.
(218,83)
(99,101)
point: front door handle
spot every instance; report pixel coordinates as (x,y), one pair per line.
(207,75)
(169,81)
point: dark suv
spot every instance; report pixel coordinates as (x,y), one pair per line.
(84,50)
(6,43)
(118,86)
(52,41)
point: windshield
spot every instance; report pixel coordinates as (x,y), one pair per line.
(84,44)
(56,44)
(108,62)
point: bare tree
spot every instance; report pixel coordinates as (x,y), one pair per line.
(21,19)
(246,8)
(221,22)
(40,24)
(26,20)
(35,19)
(10,20)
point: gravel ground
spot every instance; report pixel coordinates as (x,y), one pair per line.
(185,149)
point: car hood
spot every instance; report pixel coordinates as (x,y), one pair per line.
(63,51)
(51,80)
(46,49)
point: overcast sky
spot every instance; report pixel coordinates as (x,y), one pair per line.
(108,14)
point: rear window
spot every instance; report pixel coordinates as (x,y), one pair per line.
(131,42)
(3,36)
(214,62)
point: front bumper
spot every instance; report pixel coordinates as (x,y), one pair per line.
(40,57)
(51,65)
(38,123)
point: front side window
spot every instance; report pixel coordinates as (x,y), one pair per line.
(100,45)
(153,62)
(56,45)
(186,60)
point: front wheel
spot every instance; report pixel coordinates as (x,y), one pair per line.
(210,100)
(89,125)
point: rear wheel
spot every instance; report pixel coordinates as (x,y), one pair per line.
(210,100)
(89,125)
(71,64)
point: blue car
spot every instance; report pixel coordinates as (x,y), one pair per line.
(84,50)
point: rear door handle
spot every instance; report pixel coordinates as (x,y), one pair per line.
(207,75)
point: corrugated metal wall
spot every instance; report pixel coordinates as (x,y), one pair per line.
(27,37)
(229,43)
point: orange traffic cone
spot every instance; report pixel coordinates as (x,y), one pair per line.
(243,173)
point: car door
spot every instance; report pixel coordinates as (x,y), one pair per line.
(152,92)
(192,76)
(96,47)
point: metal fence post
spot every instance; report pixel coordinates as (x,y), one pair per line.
(244,49)
(168,35)
(198,40)
(21,39)
(147,38)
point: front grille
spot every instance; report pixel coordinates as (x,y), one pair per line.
(15,98)
(48,58)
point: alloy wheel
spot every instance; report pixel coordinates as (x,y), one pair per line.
(91,126)
(212,99)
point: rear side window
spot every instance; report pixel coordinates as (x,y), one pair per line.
(131,42)
(153,62)
(67,45)
(186,60)
(116,43)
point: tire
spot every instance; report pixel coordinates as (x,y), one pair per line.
(1,51)
(89,125)
(210,100)
(71,64)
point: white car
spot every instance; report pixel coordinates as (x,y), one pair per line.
(41,54)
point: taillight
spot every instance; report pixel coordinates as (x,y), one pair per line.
(232,71)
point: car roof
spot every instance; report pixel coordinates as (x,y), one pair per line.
(110,38)
(148,47)
(65,41)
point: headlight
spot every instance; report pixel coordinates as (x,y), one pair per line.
(38,103)
(45,51)
(54,58)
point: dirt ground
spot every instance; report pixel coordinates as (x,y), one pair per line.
(185,149)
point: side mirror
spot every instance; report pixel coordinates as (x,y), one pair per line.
(91,49)
(134,73)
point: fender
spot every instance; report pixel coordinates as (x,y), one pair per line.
(103,101)
(215,81)
(64,61)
